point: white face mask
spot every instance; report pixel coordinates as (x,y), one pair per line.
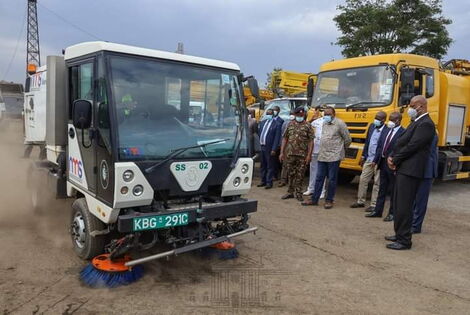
(391,124)
(413,113)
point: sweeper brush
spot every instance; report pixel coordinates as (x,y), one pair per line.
(103,272)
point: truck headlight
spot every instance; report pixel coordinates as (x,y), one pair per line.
(237,181)
(245,168)
(138,190)
(128,175)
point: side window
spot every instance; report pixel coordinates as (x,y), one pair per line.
(81,83)
(430,84)
(103,106)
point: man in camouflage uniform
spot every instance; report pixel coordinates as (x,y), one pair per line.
(296,149)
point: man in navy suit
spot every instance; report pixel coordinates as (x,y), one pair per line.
(422,196)
(387,176)
(280,121)
(270,133)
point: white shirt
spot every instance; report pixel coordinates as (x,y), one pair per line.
(317,124)
(421,116)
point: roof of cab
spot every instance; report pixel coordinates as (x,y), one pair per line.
(91,47)
(374,60)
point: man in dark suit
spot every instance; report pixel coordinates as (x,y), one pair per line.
(409,159)
(277,163)
(387,176)
(421,202)
(269,135)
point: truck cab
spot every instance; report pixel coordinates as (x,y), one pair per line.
(360,87)
(153,144)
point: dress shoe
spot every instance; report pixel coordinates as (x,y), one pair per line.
(309,203)
(373,214)
(287,196)
(369,209)
(357,205)
(328,205)
(269,186)
(391,238)
(388,218)
(415,231)
(398,246)
(261,185)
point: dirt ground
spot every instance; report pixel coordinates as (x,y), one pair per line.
(303,260)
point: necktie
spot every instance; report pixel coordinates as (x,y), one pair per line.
(387,142)
(265,132)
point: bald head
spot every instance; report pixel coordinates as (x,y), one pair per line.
(381,116)
(419,103)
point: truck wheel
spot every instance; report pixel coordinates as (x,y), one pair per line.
(82,222)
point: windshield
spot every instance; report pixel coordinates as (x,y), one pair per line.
(286,106)
(162,106)
(365,87)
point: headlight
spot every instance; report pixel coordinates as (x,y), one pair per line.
(138,190)
(124,190)
(237,181)
(245,168)
(128,175)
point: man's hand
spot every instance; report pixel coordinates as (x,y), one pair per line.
(308,159)
(361,162)
(390,163)
(273,153)
(281,157)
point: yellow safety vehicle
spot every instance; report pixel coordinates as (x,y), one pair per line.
(360,87)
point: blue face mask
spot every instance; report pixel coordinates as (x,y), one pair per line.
(299,119)
(269,117)
(327,119)
(377,123)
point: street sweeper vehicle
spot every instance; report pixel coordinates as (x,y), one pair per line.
(120,131)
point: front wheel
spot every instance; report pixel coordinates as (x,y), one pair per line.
(82,223)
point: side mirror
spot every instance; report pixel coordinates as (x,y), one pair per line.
(310,88)
(261,104)
(254,88)
(407,79)
(82,114)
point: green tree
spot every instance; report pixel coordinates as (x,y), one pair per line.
(371,27)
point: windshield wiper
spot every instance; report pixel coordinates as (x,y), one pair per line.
(364,102)
(176,152)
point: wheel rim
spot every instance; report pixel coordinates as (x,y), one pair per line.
(78,230)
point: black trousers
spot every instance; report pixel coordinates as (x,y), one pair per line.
(387,185)
(406,188)
(267,166)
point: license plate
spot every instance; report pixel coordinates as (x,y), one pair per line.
(160,221)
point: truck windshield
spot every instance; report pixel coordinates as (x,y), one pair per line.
(357,87)
(162,106)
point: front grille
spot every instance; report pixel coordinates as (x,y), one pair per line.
(358,140)
(356,131)
(356,124)
(351,153)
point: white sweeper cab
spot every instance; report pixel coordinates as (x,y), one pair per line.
(119,132)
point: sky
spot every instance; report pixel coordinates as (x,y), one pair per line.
(258,35)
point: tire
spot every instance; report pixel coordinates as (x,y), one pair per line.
(82,222)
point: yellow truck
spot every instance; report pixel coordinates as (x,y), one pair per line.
(289,83)
(360,87)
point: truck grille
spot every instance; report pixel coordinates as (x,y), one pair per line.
(357,131)
(351,153)
(356,124)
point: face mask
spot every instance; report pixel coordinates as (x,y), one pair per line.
(377,123)
(292,117)
(413,113)
(276,113)
(269,117)
(327,119)
(299,119)
(391,124)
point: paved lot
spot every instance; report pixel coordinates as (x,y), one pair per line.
(303,260)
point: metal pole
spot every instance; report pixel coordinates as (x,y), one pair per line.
(172,252)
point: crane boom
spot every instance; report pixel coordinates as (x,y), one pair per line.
(33,57)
